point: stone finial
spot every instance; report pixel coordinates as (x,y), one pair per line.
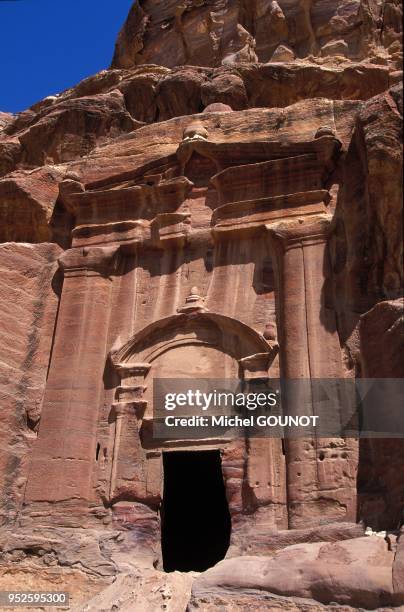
(324,130)
(193,302)
(195,131)
(270,332)
(217,107)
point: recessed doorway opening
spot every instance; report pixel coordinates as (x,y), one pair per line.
(195,516)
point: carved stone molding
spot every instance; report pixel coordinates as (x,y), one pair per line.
(122,408)
(98,260)
(252,351)
(129,370)
(171,229)
(129,392)
(254,215)
(136,232)
(257,366)
(196,326)
(132,377)
(294,234)
(269,178)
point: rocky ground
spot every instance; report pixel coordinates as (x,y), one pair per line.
(360,573)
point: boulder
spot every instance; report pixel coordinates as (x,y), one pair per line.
(355,573)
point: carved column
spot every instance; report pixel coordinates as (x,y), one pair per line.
(320,487)
(129,396)
(64,453)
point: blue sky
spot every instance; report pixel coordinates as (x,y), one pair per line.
(47,46)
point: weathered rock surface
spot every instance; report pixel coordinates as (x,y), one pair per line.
(66,130)
(27,204)
(366,245)
(263,542)
(143,591)
(380,482)
(381,335)
(70,125)
(398,565)
(208,33)
(357,573)
(251,600)
(299,121)
(29,300)
(5,118)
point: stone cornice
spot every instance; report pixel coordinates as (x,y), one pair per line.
(325,147)
(250,214)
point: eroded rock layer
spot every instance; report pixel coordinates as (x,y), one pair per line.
(209,32)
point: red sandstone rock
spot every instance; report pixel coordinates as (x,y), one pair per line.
(71,129)
(366,247)
(68,126)
(298,122)
(29,299)
(259,541)
(382,340)
(143,590)
(27,204)
(205,33)
(355,572)
(10,154)
(257,601)
(185,228)
(381,344)
(179,93)
(226,88)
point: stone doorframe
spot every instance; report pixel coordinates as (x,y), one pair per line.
(193,324)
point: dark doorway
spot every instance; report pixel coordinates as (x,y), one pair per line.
(195,516)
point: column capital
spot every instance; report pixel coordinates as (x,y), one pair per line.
(98,260)
(298,232)
(129,369)
(257,366)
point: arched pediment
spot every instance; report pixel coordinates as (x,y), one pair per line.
(227,334)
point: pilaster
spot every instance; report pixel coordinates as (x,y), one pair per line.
(63,455)
(309,349)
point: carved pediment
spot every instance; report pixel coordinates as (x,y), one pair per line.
(205,328)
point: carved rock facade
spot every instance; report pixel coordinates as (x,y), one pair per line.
(216,221)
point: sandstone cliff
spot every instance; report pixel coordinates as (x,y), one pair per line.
(286,69)
(212,32)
